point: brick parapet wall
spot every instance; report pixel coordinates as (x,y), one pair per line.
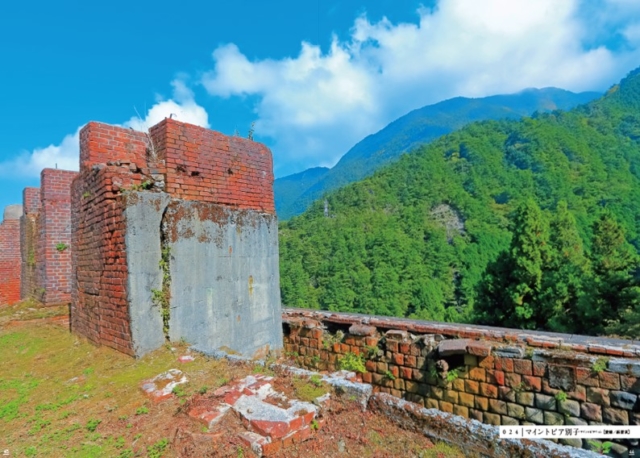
(112,161)
(28,242)
(10,270)
(53,226)
(101,143)
(207,166)
(31,201)
(489,378)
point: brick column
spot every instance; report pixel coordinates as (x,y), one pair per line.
(53,253)
(28,242)
(10,270)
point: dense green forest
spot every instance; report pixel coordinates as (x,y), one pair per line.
(530,223)
(294,193)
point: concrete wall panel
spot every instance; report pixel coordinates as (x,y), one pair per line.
(143,216)
(224,278)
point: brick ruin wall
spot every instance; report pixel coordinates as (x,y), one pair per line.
(53,246)
(496,376)
(28,242)
(45,239)
(140,195)
(207,166)
(10,270)
(98,292)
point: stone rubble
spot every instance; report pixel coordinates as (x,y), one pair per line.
(270,427)
(161,386)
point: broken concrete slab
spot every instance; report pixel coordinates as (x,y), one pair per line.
(342,381)
(397,334)
(624,366)
(479,348)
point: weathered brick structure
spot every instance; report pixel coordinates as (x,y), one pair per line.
(45,236)
(495,375)
(175,236)
(10,255)
(53,231)
(29,243)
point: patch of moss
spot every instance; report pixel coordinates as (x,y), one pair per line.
(308,390)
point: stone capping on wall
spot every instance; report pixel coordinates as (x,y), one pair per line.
(547,340)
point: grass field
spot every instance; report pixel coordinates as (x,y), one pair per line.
(61,396)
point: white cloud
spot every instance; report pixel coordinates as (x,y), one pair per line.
(182,106)
(65,155)
(316,106)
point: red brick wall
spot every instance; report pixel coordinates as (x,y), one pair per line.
(30,200)
(101,143)
(53,254)
(186,161)
(10,270)
(99,307)
(28,242)
(207,166)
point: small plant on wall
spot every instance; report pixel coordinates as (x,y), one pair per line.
(600,447)
(328,340)
(61,246)
(352,362)
(561,396)
(452,375)
(599,364)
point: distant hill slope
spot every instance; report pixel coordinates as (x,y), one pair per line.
(293,186)
(294,193)
(415,238)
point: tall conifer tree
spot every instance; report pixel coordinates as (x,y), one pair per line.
(512,292)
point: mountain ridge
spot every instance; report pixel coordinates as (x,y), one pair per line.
(419,126)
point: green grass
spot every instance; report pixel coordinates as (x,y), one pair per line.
(63,397)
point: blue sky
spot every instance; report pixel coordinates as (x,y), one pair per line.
(316,76)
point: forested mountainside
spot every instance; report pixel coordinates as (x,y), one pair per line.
(530,223)
(288,189)
(294,193)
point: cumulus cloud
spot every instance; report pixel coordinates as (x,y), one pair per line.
(29,164)
(316,105)
(182,106)
(65,155)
